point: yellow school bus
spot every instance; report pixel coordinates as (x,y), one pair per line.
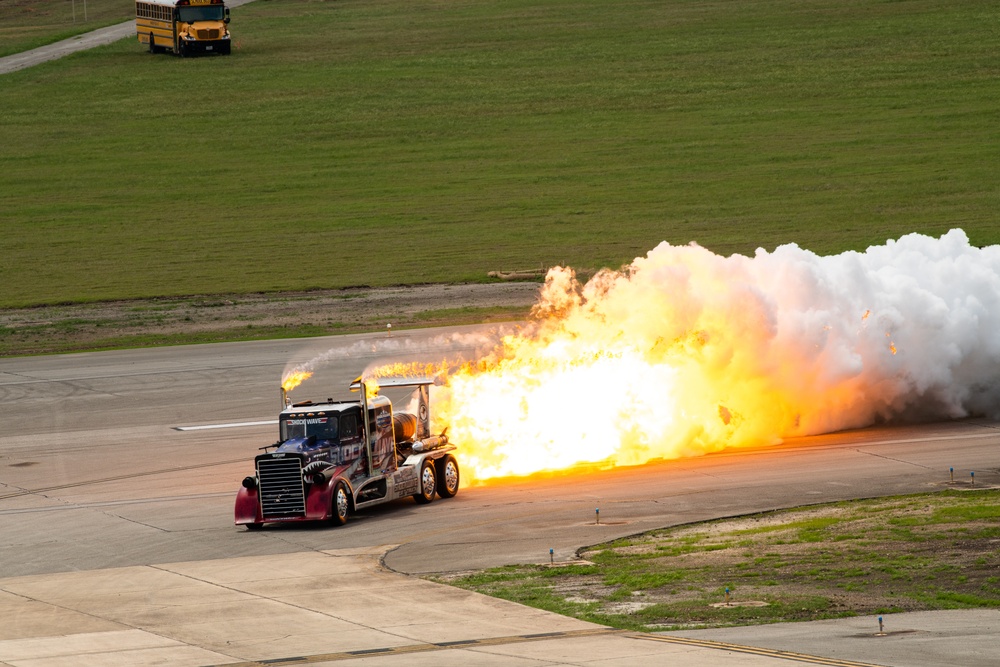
(183,27)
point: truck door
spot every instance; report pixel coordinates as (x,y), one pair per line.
(384,445)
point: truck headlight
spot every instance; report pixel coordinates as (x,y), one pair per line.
(250,483)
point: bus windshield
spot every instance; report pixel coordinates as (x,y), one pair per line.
(201,13)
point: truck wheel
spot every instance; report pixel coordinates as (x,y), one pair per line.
(341,508)
(152,43)
(427,482)
(254,526)
(447,485)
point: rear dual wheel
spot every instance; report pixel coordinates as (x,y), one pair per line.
(448,477)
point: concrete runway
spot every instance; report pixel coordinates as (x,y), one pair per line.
(118,545)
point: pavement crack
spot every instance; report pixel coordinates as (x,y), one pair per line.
(891,458)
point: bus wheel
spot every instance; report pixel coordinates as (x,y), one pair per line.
(152,44)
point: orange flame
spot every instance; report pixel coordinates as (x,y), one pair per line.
(618,373)
(407,369)
(294,379)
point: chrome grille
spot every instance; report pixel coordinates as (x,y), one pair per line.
(281,490)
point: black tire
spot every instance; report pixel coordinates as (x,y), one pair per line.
(254,526)
(426,483)
(340,505)
(152,43)
(448,477)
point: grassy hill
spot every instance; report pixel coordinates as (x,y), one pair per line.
(377,142)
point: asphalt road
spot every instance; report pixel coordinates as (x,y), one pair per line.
(90,452)
(95,474)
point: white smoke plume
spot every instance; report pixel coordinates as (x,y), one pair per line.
(685,351)
(908,329)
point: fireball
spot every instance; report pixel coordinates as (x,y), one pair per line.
(685,352)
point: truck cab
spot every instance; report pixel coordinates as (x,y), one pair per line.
(335,457)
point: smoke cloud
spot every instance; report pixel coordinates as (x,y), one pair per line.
(684,352)
(909,329)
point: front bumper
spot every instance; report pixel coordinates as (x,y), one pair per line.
(206,46)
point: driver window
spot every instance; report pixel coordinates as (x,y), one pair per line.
(348,427)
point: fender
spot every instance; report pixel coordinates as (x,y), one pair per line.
(319,497)
(247,507)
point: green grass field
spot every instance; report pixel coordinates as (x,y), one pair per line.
(374,142)
(888,555)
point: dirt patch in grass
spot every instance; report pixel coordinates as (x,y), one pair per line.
(908,553)
(216,318)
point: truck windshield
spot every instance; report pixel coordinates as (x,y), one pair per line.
(201,13)
(324,428)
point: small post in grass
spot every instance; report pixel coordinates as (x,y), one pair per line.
(973,474)
(952,469)
(552,560)
(388,330)
(727,594)
(597,513)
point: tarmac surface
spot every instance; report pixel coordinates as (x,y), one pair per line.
(340,607)
(118,546)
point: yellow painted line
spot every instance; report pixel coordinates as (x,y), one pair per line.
(766,652)
(418,648)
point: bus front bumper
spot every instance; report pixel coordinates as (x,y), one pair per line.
(196,46)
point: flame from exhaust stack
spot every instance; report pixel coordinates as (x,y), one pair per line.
(294,379)
(685,352)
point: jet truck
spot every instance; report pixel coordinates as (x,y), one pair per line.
(333,458)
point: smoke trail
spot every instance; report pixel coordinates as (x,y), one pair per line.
(404,354)
(684,352)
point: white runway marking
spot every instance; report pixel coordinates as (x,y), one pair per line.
(232,425)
